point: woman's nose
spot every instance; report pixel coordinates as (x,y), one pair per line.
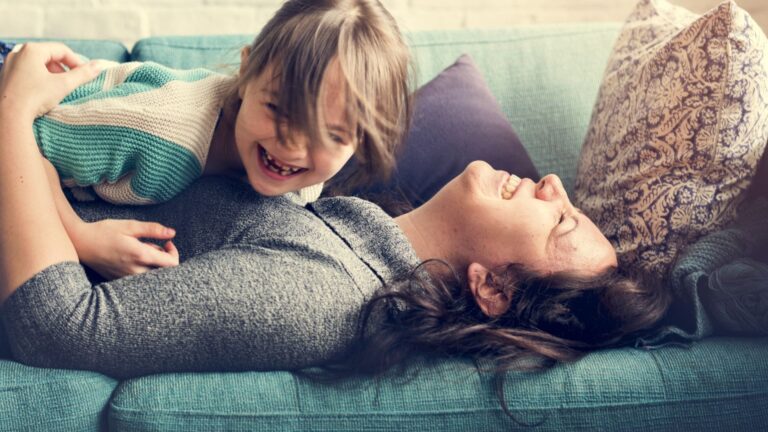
(550,188)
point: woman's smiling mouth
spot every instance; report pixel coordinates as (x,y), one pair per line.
(276,168)
(510,186)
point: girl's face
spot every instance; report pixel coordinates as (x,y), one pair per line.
(537,226)
(274,167)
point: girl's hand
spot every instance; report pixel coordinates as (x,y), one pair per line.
(112,247)
(34,78)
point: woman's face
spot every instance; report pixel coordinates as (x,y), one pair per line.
(536,225)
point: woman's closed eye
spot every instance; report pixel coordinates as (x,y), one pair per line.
(573,215)
(567,223)
(560,219)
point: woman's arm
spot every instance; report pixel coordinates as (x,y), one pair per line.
(33,236)
(224,310)
(112,248)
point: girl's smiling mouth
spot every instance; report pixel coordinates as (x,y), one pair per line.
(275,168)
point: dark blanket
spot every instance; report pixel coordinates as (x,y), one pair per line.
(720,283)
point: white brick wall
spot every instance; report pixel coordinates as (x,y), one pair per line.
(129,20)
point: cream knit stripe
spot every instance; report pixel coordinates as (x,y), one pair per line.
(184,113)
(109,78)
(130,78)
(116,75)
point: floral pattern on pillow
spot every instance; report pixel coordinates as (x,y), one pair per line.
(678,129)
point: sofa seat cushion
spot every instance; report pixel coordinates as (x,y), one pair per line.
(34,399)
(717,384)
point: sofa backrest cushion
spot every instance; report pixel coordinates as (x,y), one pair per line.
(544,77)
(92,49)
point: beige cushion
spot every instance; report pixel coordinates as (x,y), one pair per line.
(679,126)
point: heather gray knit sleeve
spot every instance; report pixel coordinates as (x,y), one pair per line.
(263,284)
(228,310)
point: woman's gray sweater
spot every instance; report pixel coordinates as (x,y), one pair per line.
(263,284)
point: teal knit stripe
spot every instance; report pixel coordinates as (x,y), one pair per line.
(85,90)
(157,75)
(147,77)
(164,168)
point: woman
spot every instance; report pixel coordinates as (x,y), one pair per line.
(265,284)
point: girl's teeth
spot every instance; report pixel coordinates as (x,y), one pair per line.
(509,187)
(276,167)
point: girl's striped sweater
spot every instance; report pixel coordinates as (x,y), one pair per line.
(139,133)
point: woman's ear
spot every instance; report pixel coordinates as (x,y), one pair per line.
(493,301)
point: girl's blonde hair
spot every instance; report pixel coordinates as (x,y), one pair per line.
(302,40)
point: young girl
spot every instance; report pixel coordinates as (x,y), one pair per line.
(324,80)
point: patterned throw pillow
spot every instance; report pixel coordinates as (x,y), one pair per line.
(679,126)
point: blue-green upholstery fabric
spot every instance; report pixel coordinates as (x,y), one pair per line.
(212,52)
(95,49)
(34,399)
(545,77)
(546,80)
(716,385)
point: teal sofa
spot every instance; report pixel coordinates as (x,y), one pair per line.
(546,80)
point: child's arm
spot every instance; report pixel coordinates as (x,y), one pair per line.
(112,247)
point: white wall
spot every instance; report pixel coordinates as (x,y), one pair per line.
(129,20)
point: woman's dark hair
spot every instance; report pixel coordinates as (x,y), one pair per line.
(551,319)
